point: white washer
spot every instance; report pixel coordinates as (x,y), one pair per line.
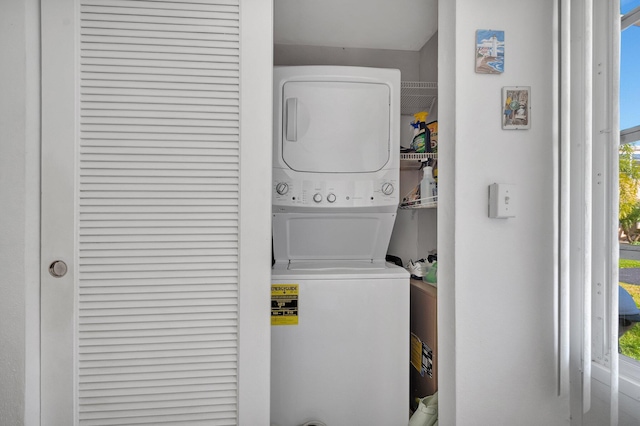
(346,362)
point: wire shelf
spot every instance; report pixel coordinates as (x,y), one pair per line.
(415,161)
(417,96)
(422,203)
(422,156)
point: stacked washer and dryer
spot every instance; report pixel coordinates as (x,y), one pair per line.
(340,355)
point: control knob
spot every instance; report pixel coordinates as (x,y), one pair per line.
(387,188)
(282,188)
(331,198)
(317,197)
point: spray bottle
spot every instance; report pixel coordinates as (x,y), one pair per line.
(428,188)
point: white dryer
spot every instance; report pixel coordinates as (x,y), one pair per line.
(340,313)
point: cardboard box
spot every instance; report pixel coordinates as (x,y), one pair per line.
(423,375)
(433,128)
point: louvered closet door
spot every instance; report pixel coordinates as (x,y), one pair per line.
(140,199)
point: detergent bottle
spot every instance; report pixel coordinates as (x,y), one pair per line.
(422,136)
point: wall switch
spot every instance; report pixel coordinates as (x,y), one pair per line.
(502,201)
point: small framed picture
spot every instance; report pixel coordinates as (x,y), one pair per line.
(516,107)
(489,52)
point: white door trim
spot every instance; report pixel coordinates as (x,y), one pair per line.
(256,66)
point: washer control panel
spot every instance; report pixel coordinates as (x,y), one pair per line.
(356,192)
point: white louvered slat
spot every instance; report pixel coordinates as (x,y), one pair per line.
(158,212)
(231,6)
(157,208)
(172,64)
(150,72)
(102,38)
(97,16)
(154,397)
(143,25)
(166,3)
(145,232)
(101,10)
(89,285)
(130,321)
(157,48)
(142,111)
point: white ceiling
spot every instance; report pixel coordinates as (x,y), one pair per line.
(374,24)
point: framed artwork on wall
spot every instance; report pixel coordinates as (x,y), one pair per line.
(516,107)
(489,52)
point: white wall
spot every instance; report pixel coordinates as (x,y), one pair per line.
(19,231)
(429,67)
(503,357)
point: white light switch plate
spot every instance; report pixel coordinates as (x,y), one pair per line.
(502,200)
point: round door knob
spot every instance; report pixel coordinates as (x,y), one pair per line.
(58,269)
(282,188)
(331,198)
(317,197)
(387,188)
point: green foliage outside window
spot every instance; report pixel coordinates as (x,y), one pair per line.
(629,206)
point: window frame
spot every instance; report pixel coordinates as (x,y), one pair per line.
(605,193)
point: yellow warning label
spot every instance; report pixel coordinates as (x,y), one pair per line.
(421,356)
(284,304)
(416,352)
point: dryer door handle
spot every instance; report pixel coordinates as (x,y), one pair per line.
(292,119)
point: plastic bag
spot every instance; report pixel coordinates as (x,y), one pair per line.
(427,412)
